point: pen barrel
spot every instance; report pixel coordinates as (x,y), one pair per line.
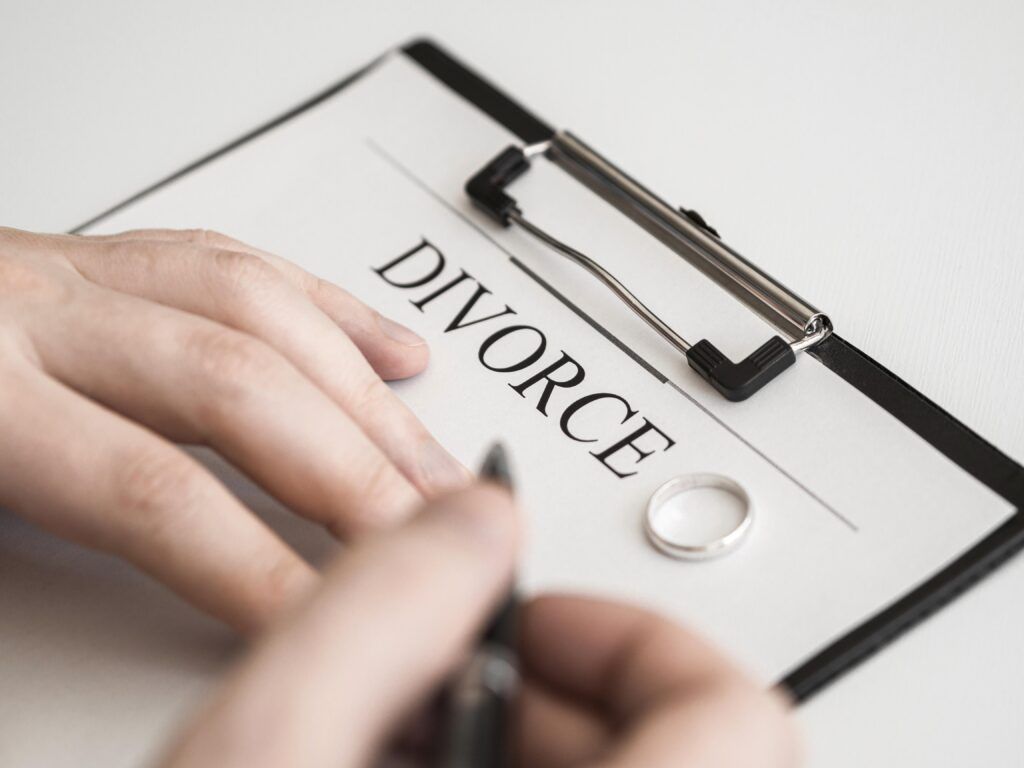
(774,302)
(481,711)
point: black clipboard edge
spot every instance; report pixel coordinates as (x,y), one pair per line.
(259,130)
(967,449)
(882,628)
(958,442)
(478,91)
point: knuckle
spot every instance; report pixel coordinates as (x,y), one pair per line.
(243,270)
(230,361)
(367,507)
(283,579)
(248,283)
(154,487)
(11,238)
(25,279)
(370,393)
(379,481)
(302,281)
(324,290)
(336,301)
(211,238)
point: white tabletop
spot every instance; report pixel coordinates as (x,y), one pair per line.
(885,136)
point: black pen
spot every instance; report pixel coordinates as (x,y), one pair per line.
(483,696)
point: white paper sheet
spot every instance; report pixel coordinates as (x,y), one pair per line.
(852,508)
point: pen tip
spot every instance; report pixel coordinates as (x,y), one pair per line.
(496,466)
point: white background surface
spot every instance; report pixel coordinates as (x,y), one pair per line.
(868,154)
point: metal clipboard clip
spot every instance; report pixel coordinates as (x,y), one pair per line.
(686,233)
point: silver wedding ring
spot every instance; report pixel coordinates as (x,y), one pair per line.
(701,550)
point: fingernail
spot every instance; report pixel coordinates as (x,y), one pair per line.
(440,469)
(398,332)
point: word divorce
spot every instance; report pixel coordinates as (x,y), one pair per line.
(521,351)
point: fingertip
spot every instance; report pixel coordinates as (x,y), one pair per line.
(399,333)
(484,512)
(394,350)
(397,352)
(763,718)
(783,729)
(394,364)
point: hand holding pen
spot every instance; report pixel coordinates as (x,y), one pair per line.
(604,684)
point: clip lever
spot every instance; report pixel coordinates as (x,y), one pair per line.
(487,188)
(735,381)
(738,381)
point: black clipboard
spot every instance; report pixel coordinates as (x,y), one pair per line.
(957,442)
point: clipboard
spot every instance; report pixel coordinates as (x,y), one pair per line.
(809,332)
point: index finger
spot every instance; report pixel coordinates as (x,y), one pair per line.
(390,358)
(674,699)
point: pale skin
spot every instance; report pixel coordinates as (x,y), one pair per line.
(113,349)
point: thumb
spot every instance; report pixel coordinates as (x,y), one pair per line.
(391,618)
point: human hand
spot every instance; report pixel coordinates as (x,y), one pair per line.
(113,347)
(605,684)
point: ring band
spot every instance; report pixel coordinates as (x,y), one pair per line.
(704,550)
